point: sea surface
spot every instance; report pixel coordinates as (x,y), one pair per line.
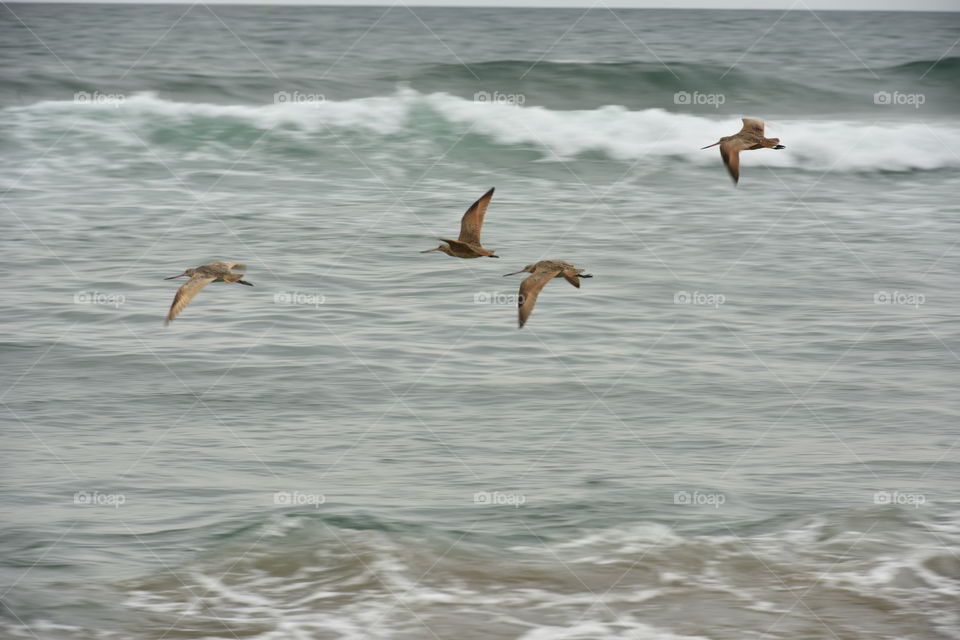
(746,425)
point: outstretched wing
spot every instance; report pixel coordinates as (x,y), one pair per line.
(530,288)
(185,294)
(227,265)
(730,152)
(472,220)
(752,125)
(572,276)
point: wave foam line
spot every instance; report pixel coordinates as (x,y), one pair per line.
(614,131)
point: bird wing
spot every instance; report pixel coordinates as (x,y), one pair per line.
(473,219)
(185,294)
(227,265)
(730,152)
(752,125)
(529,290)
(572,276)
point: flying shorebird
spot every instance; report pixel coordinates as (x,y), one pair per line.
(199,278)
(468,244)
(540,274)
(748,138)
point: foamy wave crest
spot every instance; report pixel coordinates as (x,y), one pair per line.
(633,135)
(383,115)
(613,131)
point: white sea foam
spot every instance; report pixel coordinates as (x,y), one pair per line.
(746,573)
(623,629)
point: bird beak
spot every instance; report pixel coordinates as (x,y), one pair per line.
(429,250)
(512,274)
(172,277)
(709,145)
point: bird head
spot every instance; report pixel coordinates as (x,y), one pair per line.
(445,248)
(526,269)
(189,273)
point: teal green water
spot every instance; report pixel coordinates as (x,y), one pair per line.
(744,426)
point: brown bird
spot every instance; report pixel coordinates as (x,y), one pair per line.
(468,244)
(540,274)
(748,138)
(199,278)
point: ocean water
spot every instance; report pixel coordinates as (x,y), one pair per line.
(744,426)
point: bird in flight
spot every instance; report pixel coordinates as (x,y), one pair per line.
(748,138)
(540,274)
(467,245)
(199,278)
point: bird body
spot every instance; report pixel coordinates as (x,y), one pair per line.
(750,137)
(540,274)
(467,245)
(220,271)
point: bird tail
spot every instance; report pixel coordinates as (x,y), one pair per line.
(236,277)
